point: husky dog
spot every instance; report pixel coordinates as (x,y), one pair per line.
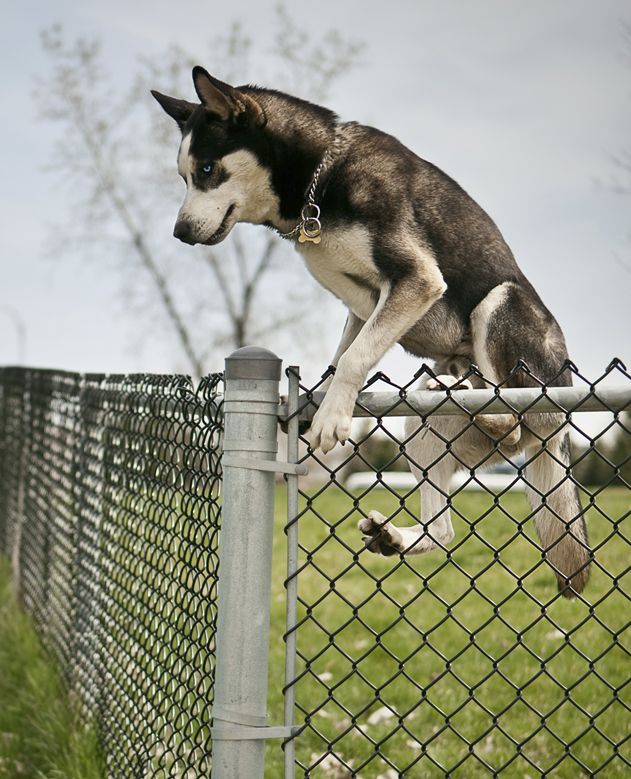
(416,261)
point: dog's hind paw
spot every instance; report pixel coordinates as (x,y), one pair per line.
(447,381)
(501,428)
(379,535)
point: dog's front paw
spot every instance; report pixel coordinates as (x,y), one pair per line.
(329,427)
(332,421)
(447,381)
(379,535)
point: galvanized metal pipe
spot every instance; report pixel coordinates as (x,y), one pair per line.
(466,402)
(245,565)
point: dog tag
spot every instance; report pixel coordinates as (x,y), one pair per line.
(310,230)
(303,237)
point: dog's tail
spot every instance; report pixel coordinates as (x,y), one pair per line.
(558,515)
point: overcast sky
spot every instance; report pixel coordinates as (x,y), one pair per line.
(524,104)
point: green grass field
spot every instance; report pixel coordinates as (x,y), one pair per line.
(41,736)
(461,676)
(440,664)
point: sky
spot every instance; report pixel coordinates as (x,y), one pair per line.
(526,105)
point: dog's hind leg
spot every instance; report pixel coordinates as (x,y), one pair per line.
(433,466)
(558,514)
(489,320)
(436,450)
(509,325)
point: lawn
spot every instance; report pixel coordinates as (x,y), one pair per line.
(443,664)
(437,665)
(41,735)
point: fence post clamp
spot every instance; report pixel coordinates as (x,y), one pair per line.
(233,726)
(294,469)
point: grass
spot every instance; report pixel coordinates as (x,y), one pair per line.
(42,735)
(404,668)
(441,665)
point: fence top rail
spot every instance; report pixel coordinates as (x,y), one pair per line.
(563,400)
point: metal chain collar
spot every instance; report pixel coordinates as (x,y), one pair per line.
(309,228)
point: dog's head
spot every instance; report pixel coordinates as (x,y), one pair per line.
(225,180)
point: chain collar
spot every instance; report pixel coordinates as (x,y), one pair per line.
(309,228)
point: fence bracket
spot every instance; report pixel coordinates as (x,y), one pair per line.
(233,732)
(295,469)
(237,726)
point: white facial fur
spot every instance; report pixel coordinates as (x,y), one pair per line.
(248,188)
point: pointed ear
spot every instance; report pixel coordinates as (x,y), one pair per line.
(224,101)
(215,96)
(180,110)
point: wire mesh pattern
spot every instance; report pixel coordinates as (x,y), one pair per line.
(109,508)
(486,656)
(466,661)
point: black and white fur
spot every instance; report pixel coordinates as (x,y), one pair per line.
(416,261)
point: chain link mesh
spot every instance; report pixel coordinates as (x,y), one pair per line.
(467,661)
(109,508)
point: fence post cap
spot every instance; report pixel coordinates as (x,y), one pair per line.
(253,362)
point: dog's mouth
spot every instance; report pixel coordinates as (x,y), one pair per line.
(223,229)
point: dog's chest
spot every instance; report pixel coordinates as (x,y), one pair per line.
(342,262)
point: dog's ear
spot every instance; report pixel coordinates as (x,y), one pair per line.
(226,102)
(216,97)
(180,110)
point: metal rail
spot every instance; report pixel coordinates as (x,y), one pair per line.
(565,400)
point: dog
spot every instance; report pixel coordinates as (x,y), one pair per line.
(416,261)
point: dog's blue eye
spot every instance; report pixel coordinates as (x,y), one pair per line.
(207,168)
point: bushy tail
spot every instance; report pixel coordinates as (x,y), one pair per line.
(559,516)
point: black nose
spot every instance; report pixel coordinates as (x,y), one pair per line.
(182,230)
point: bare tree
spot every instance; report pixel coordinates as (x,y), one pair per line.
(623,161)
(117,153)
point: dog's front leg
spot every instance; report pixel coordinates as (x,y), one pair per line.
(352,327)
(351,330)
(400,305)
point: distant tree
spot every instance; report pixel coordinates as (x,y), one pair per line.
(116,151)
(377,451)
(621,450)
(621,181)
(610,463)
(606,463)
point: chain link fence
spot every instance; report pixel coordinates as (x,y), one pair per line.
(109,509)
(468,660)
(486,654)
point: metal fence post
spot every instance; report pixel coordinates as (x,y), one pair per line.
(245,561)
